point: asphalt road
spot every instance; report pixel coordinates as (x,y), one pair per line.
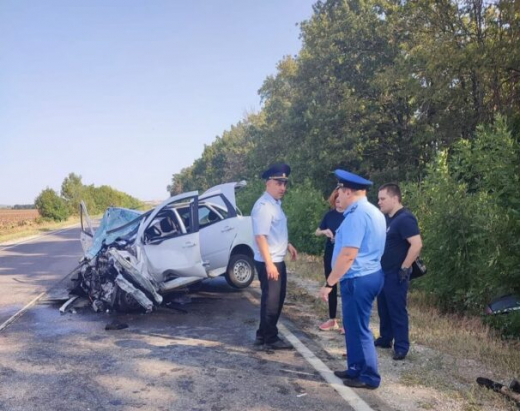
(200,358)
(29,268)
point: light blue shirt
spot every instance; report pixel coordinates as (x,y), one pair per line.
(364,228)
(270,220)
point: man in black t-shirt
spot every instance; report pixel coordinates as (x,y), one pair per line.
(402,247)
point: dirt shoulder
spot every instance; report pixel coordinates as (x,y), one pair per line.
(446,357)
(32,228)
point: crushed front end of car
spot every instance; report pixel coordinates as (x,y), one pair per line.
(112,274)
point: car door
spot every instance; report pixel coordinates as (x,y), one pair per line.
(217,225)
(177,253)
(87,230)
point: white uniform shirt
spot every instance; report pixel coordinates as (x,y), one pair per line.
(270,220)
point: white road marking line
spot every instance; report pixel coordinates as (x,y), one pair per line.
(297,372)
(34,301)
(346,393)
(21,312)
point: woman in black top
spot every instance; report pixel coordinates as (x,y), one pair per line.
(330,223)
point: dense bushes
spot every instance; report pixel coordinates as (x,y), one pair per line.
(52,206)
(468,207)
(305,207)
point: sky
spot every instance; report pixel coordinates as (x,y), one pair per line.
(126,93)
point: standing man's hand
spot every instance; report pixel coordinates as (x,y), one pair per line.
(272,271)
(404,274)
(292,251)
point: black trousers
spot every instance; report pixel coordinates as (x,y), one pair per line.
(273,297)
(333,296)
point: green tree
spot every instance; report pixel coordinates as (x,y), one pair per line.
(51,205)
(72,191)
(469,210)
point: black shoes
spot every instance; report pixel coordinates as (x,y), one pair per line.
(352,381)
(382,343)
(258,342)
(279,345)
(343,375)
(398,356)
(358,384)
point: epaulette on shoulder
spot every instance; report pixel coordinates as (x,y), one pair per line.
(351,211)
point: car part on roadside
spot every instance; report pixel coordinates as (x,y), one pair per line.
(503,305)
(115,325)
(68,304)
(512,392)
(134,259)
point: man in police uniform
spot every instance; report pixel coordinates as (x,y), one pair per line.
(356,265)
(270,246)
(403,245)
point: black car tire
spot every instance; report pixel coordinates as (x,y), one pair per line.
(126,303)
(241,271)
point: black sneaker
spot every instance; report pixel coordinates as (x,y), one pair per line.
(258,342)
(279,345)
(358,384)
(343,375)
(382,343)
(398,356)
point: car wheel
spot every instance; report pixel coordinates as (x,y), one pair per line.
(126,303)
(241,271)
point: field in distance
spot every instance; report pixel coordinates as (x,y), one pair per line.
(17,218)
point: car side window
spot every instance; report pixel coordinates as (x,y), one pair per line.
(207,217)
(163,227)
(184,214)
(219,205)
(223,212)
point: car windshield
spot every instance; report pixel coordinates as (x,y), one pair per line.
(116,223)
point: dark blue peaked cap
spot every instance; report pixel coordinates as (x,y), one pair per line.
(351,180)
(279,171)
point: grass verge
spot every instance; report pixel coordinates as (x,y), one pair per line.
(449,351)
(34,228)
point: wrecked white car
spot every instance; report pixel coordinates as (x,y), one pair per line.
(134,259)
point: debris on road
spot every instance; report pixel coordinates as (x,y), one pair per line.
(512,392)
(115,325)
(65,307)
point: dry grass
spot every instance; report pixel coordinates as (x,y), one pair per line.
(309,267)
(449,350)
(16,218)
(32,227)
(462,337)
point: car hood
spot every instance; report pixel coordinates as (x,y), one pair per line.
(116,223)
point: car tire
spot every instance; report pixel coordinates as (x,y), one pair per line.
(241,271)
(126,303)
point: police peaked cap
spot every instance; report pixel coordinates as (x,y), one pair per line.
(351,180)
(277,172)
